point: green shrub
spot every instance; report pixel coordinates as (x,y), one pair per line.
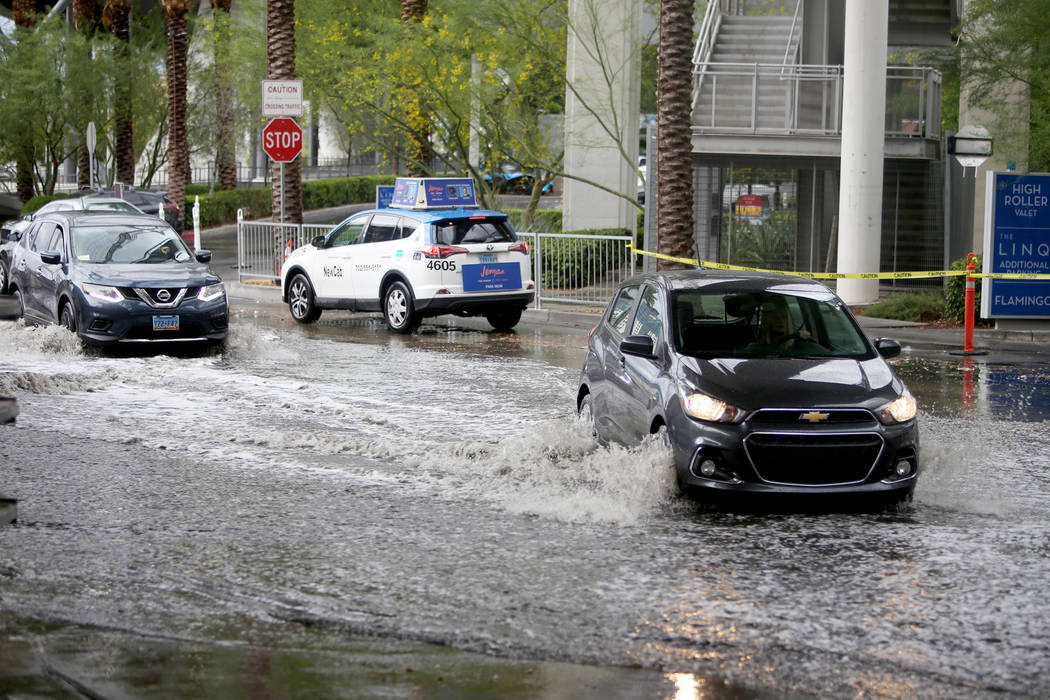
(39,200)
(571,264)
(544,221)
(924,306)
(955,294)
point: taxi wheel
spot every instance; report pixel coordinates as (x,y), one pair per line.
(301,300)
(504,319)
(67,318)
(398,309)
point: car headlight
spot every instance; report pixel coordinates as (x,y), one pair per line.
(899,411)
(101,291)
(211,291)
(708,408)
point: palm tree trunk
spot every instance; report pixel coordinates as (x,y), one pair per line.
(421,153)
(117,15)
(22,13)
(83,22)
(280,61)
(674,167)
(178,144)
(225,162)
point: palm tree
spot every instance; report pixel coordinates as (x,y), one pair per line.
(674,167)
(225,161)
(178,143)
(22,13)
(116,14)
(280,65)
(83,22)
(421,155)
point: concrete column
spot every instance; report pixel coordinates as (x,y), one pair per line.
(603,68)
(863,147)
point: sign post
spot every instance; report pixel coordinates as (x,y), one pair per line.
(90,143)
(283,142)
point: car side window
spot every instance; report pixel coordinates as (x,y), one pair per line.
(407,227)
(621,308)
(649,320)
(383,227)
(348,233)
(42,237)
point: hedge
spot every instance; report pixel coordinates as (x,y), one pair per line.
(955,293)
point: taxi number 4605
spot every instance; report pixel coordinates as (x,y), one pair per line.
(441,265)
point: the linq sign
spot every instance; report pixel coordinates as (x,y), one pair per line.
(1018,242)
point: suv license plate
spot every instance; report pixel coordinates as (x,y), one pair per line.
(165,323)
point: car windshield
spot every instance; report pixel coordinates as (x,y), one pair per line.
(110,206)
(128,244)
(716,323)
(473,230)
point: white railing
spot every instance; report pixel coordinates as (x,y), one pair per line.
(567,268)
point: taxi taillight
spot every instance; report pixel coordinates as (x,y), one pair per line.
(441,251)
(521,247)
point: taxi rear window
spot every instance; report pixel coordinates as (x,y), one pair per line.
(481,230)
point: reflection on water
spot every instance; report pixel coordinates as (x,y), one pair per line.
(965,387)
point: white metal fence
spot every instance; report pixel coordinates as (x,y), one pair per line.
(567,268)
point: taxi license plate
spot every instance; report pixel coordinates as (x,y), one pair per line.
(165,323)
(488,257)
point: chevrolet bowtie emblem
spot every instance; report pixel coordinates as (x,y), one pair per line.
(814,416)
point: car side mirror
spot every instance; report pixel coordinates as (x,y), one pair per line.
(203,256)
(51,257)
(887,347)
(641,345)
(317,242)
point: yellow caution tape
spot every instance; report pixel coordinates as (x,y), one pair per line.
(848,275)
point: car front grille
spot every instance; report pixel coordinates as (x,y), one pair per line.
(790,418)
(159,297)
(813,458)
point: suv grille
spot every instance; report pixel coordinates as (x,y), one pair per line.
(159,297)
(813,459)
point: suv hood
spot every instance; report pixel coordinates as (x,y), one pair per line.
(171,274)
(793,382)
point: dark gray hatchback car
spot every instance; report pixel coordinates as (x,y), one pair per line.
(764,384)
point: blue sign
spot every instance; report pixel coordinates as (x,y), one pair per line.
(433,193)
(384,196)
(491,277)
(1019,241)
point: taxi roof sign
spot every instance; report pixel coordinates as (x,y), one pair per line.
(433,193)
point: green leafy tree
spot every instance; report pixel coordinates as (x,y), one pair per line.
(1004,53)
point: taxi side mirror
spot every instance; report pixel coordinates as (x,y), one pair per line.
(317,242)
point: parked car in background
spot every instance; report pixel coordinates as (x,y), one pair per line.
(121,277)
(763,385)
(150,202)
(10,232)
(90,202)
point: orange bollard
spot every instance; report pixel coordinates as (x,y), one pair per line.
(971,293)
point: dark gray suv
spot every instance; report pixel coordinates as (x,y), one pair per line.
(763,384)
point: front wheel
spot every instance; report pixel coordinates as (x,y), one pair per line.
(67,318)
(301,300)
(504,319)
(398,309)
(3,278)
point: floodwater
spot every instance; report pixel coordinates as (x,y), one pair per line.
(309,512)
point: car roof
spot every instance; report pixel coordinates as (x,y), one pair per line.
(432,215)
(113,218)
(739,280)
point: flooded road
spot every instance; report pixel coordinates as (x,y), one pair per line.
(319,505)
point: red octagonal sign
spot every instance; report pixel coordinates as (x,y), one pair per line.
(282,139)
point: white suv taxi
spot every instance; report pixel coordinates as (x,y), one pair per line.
(432,252)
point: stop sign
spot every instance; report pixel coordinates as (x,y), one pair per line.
(282,139)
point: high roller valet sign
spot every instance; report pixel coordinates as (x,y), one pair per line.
(1016,242)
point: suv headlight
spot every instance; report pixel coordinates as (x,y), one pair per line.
(211,291)
(704,407)
(901,410)
(101,291)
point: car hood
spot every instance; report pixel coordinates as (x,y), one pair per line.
(147,275)
(793,382)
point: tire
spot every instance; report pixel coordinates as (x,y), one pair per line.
(3,278)
(301,301)
(586,414)
(17,296)
(504,319)
(399,309)
(67,317)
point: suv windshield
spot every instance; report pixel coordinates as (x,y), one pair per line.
(473,230)
(128,244)
(763,324)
